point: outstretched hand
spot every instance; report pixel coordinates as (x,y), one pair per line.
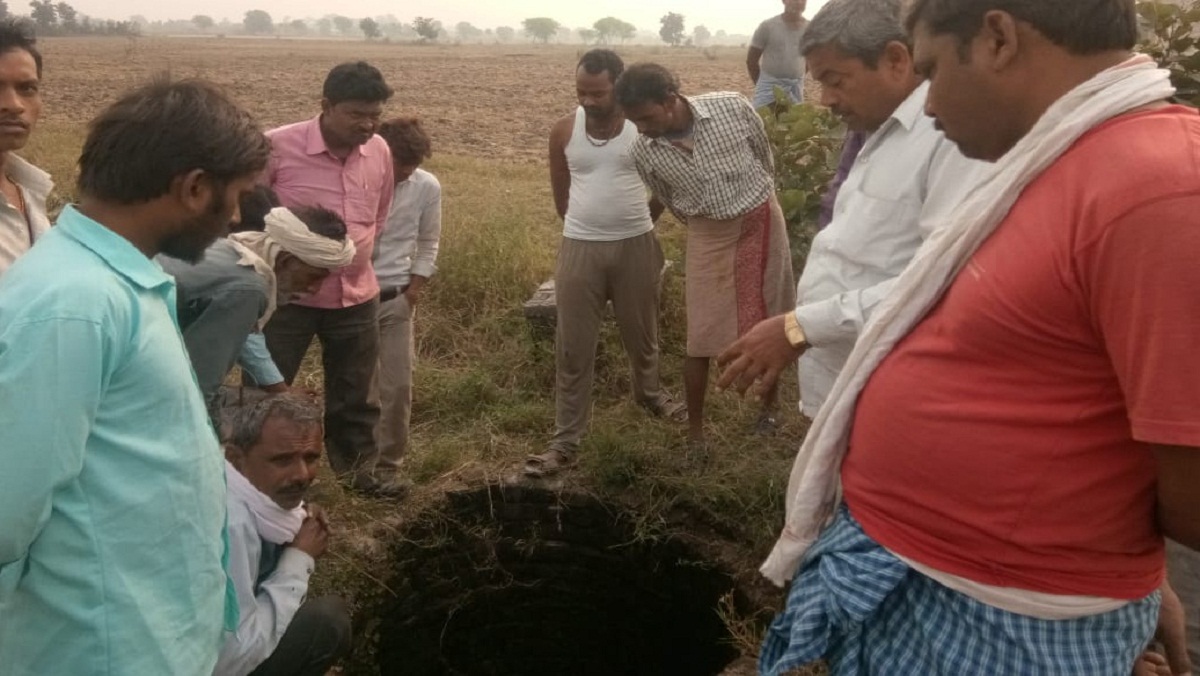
(755,360)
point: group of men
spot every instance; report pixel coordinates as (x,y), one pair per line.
(994,331)
(133,539)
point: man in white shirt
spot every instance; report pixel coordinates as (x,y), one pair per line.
(274,541)
(609,252)
(404,260)
(905,177)
(774,58)
(23,187)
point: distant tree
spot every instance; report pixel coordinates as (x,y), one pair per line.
(298,26)
(202,21)
(672,29)
(505,33)
(44,14)
(467,32)
(325,26)
(588,35)
(66,16)
(541,28)
(610,28)
(701,36)
(370,28)
(427,27)
(3,9)
(343,24)
(258,22)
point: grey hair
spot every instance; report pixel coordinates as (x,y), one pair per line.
(246,424)
(862,29)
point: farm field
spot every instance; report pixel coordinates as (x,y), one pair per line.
(484,380)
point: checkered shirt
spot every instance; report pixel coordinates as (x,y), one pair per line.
(730,170)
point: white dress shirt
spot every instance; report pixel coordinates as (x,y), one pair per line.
(265,608)
(906,176)
(408,244)
(19,231)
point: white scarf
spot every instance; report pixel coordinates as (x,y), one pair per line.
(274,523)
(285,232)
(813,488)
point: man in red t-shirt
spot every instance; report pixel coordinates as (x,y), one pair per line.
(1016,459)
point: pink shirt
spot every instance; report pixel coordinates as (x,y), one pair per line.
(303,172)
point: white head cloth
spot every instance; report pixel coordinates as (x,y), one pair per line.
(274,523)
(813,489)
(285,232)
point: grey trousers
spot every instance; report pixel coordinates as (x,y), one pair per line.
(589,274)
(317,637)
(394,382)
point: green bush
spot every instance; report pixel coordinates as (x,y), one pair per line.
(1170,38)
(807,142)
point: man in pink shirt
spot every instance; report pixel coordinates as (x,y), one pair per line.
(335,160)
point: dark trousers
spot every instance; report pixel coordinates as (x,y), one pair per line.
(349,350)
(318,635)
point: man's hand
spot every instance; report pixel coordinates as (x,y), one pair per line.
(757,358)
(412,295)
(1151,664)
(313,537)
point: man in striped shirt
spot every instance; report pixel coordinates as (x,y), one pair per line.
(708,159)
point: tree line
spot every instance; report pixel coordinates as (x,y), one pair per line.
(606,31)
(60,18)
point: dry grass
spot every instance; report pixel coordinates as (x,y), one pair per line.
(483,383)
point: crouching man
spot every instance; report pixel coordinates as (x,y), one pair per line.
(274,540)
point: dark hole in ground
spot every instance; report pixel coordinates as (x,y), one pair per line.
(514,580)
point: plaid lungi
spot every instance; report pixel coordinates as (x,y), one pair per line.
(866,612)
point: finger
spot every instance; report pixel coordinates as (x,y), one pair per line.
(732,352)
(766,382)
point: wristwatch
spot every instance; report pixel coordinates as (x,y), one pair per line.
(795,334)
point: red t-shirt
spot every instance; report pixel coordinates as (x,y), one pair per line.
(1007,439)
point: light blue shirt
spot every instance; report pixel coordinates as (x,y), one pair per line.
(112,488)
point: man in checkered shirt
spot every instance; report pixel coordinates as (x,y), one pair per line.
(708,159)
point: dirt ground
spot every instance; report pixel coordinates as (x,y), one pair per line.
(488,102)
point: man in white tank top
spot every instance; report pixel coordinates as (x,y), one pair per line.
(609,252)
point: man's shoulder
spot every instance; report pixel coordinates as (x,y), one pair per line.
(427,181)
(1135,158)
(292,129)
(30,176)
(62,279)
(720,101)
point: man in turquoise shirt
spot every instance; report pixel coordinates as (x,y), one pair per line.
(112,493)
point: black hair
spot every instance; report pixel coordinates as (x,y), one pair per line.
(16,34)
(598,61)
(355,81)
(1081,27)
(645,83)
(321,221)
(407,139)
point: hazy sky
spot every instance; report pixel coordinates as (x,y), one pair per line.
(733,16)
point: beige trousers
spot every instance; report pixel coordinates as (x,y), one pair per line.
(394,377)
(589,274)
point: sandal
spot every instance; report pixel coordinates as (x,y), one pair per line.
(547,464)
(667,408)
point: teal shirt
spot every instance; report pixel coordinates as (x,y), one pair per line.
(112,488)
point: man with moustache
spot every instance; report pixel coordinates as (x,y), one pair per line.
(336,161)
(1016,430)
(23,187)
(275,538)
(609,252)
(112,498)
(905,179)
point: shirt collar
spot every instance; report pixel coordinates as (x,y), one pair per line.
(315,141)
(29,176)
(700,112)
(117,252)
(912,109)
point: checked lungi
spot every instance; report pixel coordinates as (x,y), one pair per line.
(865,611)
